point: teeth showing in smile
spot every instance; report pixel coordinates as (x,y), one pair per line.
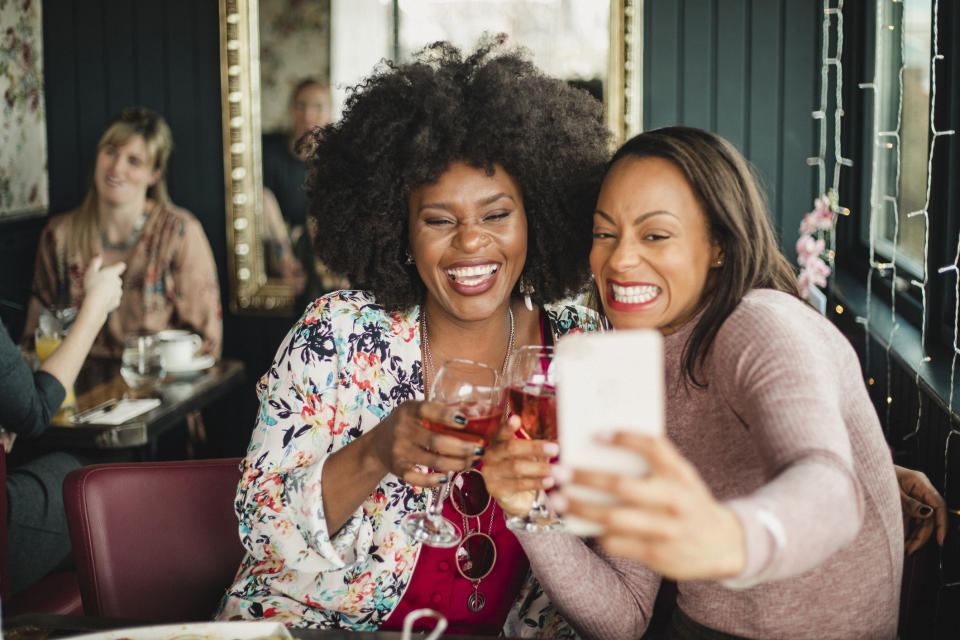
(635,295)
(472,275)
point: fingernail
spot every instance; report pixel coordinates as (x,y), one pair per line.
(925,510)
(478,451)
(559,502)
(443,480)
(460,419)
(551,449)
(561,474)
(603,437)
(548,482)
(475,463)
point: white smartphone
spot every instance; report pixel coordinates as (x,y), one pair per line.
(606,382)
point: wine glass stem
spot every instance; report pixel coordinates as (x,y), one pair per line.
(436,509)
(539,507)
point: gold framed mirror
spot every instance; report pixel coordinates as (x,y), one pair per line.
(252,289)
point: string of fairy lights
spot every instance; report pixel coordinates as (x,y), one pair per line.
(885,196)
(831,15)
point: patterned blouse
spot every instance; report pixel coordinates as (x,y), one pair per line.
(170,281)
(338,373)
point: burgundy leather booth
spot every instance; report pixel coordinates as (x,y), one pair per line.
(154,541)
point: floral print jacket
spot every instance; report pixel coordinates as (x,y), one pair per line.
(340,371)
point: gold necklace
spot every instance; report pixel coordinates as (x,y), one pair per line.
(476,600)
(428,359)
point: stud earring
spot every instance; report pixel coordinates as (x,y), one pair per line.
(409,258)
(526,289)
(719,262)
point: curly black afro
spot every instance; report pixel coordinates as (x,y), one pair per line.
(404,126)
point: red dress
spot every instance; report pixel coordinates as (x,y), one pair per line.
(436,583)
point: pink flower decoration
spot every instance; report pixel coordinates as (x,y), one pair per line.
(820,219)
(808,248)
(812,244)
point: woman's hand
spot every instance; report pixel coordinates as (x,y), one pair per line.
(667,519)
(923,509)
(403,446)
(514,468)
(102,288)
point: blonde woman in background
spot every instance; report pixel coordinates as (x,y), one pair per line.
(127,216)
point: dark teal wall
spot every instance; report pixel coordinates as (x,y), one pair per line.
(748,70)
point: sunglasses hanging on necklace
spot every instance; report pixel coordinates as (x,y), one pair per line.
(476,554)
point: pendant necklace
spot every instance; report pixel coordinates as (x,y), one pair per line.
(131,240)
(476,600)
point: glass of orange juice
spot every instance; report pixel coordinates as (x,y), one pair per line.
(46,341)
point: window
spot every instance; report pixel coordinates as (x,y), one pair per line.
(889,45)
(901,130)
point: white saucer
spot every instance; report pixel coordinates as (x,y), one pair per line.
(198,363)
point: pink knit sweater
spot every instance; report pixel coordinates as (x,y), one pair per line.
(784,432)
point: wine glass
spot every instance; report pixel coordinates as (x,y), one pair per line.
(531,389)
(141,364)
(473,389)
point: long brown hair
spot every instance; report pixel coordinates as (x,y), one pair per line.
(737,216)
(133,121)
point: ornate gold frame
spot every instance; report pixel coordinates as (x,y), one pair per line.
(250,288)
(624,99)
(251,291)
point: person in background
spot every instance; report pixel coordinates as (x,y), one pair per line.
(37,536)
(772,500)
(452,191)
(284,162)
(170,280)
(292,257)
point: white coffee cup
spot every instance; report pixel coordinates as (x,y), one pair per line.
(179,347)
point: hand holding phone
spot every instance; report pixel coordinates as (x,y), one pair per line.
(606,382)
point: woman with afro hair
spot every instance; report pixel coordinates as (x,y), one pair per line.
(454,193)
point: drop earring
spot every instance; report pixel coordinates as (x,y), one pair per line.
(526,289)
(409,258)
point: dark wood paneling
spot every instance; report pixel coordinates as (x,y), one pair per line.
(745,69)
(766,122)
(662,61)
(149,25)
(699,74)
(120,71)
(801,90)
(63,143)
(732,54)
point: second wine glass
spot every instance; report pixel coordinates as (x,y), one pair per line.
(474,390)
(141,363)
(531,387)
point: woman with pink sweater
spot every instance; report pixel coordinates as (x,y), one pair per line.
(772,500)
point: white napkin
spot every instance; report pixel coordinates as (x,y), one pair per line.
(121,411)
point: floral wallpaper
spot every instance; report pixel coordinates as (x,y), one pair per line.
(294,44)
(23,135)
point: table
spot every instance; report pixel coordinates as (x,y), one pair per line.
(36,626)
(100,381)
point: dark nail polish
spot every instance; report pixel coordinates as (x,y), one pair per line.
(478,451)
(925,510)
(475,463)
(460,419)
(443,480)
